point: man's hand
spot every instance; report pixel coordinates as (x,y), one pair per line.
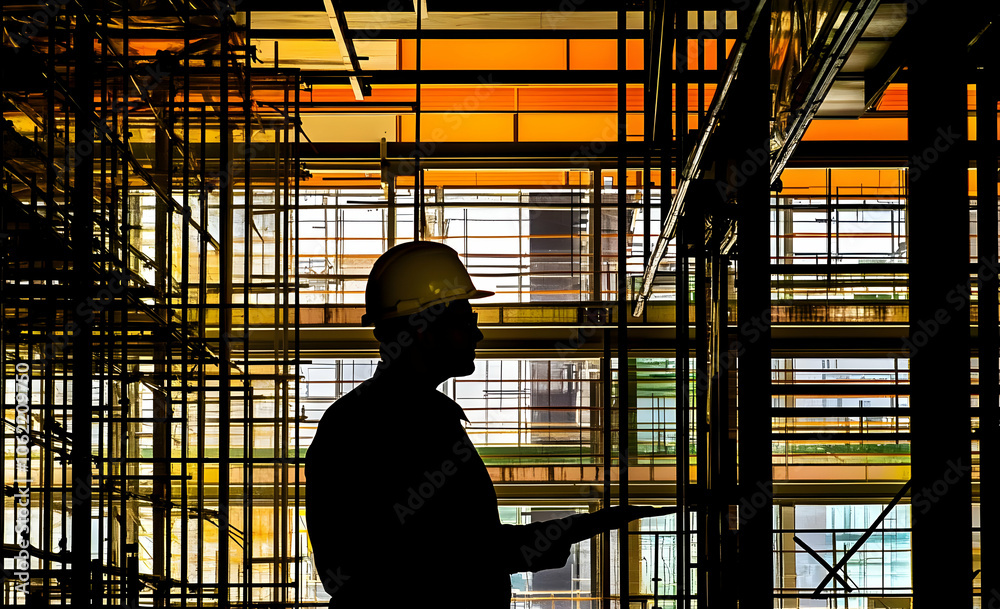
(582,526)
(546,545)
(620,515)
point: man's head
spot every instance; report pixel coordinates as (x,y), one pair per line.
(418,300)
(440,340)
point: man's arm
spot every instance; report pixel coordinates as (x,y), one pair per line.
(546,545)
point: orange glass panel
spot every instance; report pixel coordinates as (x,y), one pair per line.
(467,99)
(634,100)
(857,130)
(854,182)
(407,55)
(711,53)
(710,90)
(692,121)
(635,58)
(341,93)
(894,98)
(803,182)
(973,126)
(501,54)
(505,178)
(693,96)
(577,98)
(974,183)
(577,127)
(593,55)
(692,54)
(459,127)
(603,54)
(567,98)
(730,43)
(634,125)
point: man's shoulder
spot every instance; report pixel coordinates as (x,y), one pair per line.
(364,406)
(348,409)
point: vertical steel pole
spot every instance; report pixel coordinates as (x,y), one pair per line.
(161,395)
(701,312)
(987,94)
(82,231)
(623,312)
(682,404)
(597,245)
(225,307)
(418,183)
(939,330)
(756,578)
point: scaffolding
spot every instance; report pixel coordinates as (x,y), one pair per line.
(188,220)
(151,222)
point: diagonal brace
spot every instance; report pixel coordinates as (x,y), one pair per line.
(861,541)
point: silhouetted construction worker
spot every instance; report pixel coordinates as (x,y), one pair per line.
(399,505)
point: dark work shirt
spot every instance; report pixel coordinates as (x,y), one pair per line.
(399,504)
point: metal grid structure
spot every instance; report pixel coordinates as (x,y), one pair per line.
(194,194)
(136,167)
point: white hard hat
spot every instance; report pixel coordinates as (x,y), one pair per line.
(414,276)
